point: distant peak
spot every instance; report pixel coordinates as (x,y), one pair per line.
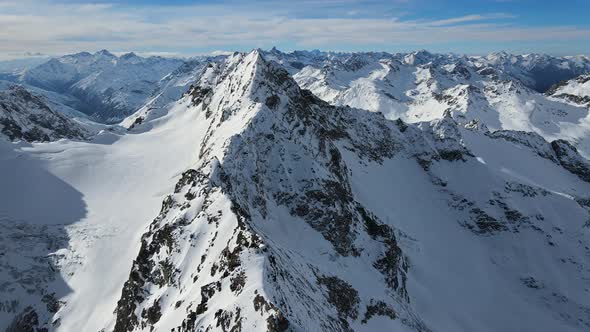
(422,52)
(129,55)
(104,53)
(275,51)
(82,54)
(418,58)
(500,54)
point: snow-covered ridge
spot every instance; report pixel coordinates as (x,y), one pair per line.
(575,91)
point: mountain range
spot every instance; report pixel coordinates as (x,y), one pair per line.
(302,191)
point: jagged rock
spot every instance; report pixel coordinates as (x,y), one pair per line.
(378,308)
(24,116)
(570,159)
(26,321)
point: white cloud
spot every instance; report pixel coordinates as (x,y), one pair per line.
(470,18)
(219,52)
(36,26)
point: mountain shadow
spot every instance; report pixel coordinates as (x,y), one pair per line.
(36,208)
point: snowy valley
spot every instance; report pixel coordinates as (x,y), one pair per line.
(302,191)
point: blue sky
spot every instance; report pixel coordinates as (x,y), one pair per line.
(181,27)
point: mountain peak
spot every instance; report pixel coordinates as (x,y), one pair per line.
(104,53)
(129,55)
(423,52)
(81,54)
(420,57)
(130,58)
(240,76)
(257,52)
(274,50)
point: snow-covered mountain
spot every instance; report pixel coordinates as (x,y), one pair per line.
(575,91)
(170,89)
(254,205)
(421,86)
(12,69)
(24,116)
(106,87)
(110,88)
(538,71)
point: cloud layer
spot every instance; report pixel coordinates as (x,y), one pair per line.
(57,28)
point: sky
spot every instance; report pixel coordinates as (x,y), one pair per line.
(185,28)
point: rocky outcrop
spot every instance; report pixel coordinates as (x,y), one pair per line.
(560,152)
(575,91)
(570,159)
(24,116)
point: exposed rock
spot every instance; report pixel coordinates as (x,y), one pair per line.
(26,321)
(571,160)
(24,116)
(378,308)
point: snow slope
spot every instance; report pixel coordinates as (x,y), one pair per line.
(103,193)
(170,89)
(251,204)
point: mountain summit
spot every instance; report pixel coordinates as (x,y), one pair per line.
(298,215)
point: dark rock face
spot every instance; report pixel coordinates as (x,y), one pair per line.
(531,282)
(378,308)
(570,159)
(24,116)
(137,122)
(26,321)
(560,151)
(153,313)
(145,270)
(276,322)
(580,100)
(462,71)
(342,296)
(272,102)
(199,94)
(553,91)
